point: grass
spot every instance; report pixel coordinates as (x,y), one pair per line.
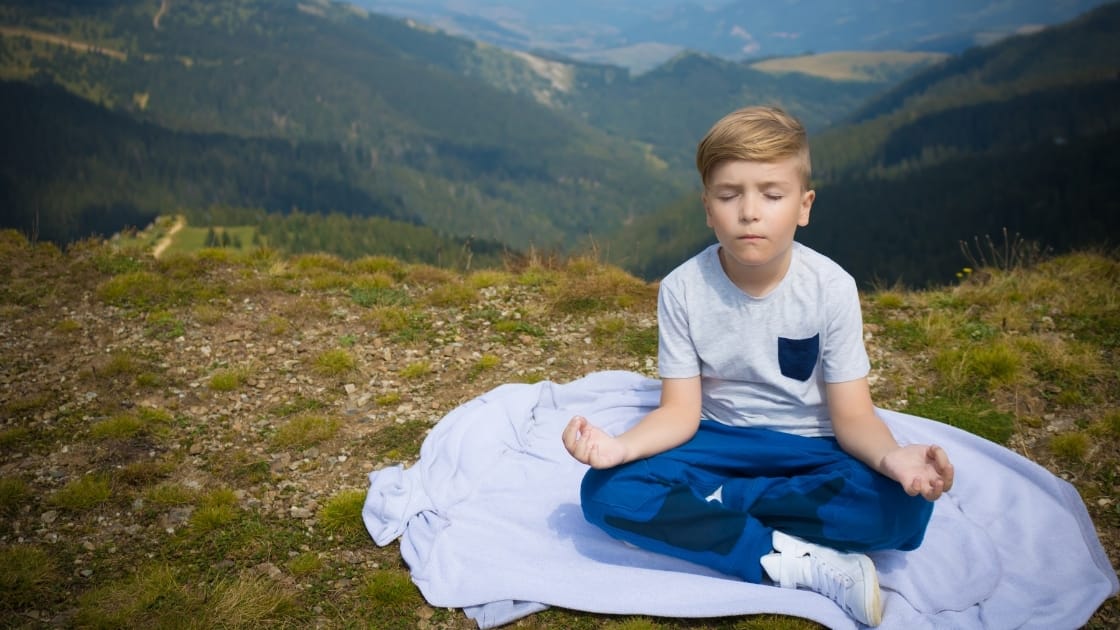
(166,484)
(28,577)
(341,517)
(83,493)
(304,431)
(398,442)
(13,492)
(227,380)
(1070,446)
(169,495)
(589,287)
(416,369)
(126,425)
(335,362)
(392,599)
(484,363)
(158,596)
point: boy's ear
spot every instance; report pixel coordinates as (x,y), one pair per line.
(807,199)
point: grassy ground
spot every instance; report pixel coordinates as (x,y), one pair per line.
(184,442)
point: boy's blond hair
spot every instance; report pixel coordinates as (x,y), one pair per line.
(757,134)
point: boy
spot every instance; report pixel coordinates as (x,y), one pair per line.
(765,454)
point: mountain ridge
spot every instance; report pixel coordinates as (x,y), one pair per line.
(734,30)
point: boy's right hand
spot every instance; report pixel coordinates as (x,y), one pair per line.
(591,445)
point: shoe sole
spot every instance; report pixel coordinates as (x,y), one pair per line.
(876,605)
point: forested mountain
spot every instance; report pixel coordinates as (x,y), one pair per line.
(1020,136)
(325,108)
(450,151)
(61,152)
(1037,68)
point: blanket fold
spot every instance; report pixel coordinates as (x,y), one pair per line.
(489,521)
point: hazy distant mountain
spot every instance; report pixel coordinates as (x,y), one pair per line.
(640,34)
(1020,136)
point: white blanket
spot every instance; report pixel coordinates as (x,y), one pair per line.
(489,521)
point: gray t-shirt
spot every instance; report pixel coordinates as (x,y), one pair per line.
(763,362)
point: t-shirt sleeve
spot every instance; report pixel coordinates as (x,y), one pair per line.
(844,357)
(676,353)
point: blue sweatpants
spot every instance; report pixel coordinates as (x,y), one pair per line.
(767,480)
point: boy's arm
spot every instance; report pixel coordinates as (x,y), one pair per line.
(671,424)
(921,469)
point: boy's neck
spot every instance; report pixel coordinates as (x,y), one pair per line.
(759,281)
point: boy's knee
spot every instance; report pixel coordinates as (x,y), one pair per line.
(913,523)
(592,486)
(620,491)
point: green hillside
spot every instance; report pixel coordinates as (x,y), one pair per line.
(1019,137)
(277,104)
(452,152)
(1081,53)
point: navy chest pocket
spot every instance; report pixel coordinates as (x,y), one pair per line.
(798,357)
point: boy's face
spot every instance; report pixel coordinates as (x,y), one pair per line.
(755,208)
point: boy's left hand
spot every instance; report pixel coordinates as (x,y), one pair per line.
(921,469)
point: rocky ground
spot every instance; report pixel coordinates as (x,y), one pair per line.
(210,396)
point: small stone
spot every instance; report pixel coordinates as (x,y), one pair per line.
(49,517)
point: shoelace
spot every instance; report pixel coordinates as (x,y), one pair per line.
(831,582)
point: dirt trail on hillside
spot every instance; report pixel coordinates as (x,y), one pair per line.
(163,7)
(10,31)
(165,242)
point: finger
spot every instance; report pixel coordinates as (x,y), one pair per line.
(932,490)
(575,427)
(571,431)
(914,488)
(943,466)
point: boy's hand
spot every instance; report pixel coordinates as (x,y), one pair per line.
(592,445)
(921,469)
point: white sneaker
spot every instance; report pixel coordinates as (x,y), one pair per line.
(849,579)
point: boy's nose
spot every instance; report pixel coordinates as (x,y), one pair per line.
(746,210)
